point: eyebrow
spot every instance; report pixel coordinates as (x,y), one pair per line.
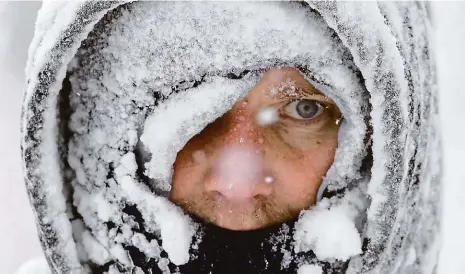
(302,91)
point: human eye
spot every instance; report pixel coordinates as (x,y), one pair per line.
(304,109)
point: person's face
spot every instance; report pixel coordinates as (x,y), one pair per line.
(262,162)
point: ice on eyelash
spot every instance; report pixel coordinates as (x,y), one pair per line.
(285,88)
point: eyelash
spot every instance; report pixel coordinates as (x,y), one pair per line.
(293,111)
(310,121)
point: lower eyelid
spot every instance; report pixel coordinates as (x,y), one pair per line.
(304,122)
(324,106)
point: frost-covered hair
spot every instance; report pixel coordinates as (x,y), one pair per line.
(115,91)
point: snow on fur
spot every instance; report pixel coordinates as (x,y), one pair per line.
(364,56)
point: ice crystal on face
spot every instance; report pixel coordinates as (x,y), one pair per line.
(267,116)
(269,179)
(287,87)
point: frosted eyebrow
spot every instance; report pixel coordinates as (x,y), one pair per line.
(298,91)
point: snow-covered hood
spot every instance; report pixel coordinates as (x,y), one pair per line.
(92,109)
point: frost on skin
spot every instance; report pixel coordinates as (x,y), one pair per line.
(267,116)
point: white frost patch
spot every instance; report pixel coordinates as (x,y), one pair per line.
(121,254)
(330,233)
(269,179)
(310,269)
(95,250)
(127,165)
(149,248)
(267,116)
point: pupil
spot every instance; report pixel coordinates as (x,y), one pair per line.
(307,108)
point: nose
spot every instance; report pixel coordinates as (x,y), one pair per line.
(238,171)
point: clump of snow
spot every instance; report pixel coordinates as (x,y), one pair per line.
(127,165)
(267,116)
(96,251)
(330,232)
(310,269)
(287,86)
(35,266)
(176,228)
(151,248)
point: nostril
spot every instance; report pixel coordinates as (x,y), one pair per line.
(240,191)
(237,191)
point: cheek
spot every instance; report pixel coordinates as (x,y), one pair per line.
(300,175)
(187,172)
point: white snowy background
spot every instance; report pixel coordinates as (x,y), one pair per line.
(18,238)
